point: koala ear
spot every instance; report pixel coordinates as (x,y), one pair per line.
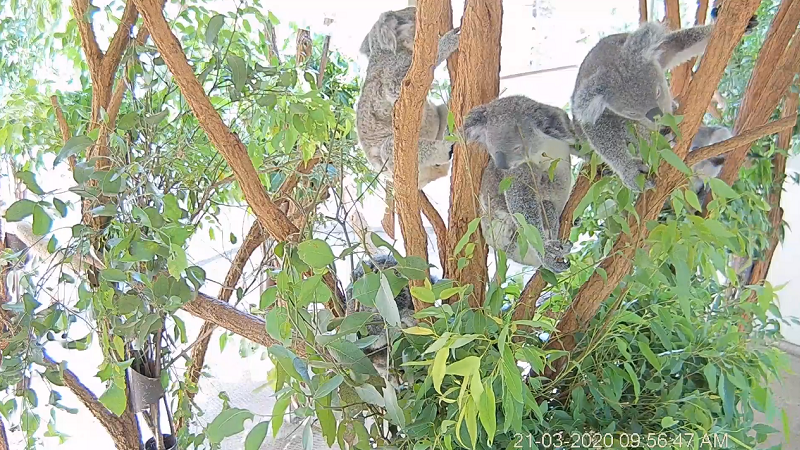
(645,41)
(364,49)
(589,101)
(384,34)
(474,127)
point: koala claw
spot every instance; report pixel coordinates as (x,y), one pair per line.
(640,168)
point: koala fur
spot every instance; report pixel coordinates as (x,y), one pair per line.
(378,350)
(709,168)
(523,138)
(389,46)
(622,81)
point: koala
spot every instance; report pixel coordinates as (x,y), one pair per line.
(523,138)
(621,82)
(711,167)
(389,47)
(378,351)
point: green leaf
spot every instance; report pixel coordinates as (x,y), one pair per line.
(487,410)
(127,121)
(212,30)
(464,367)
(396,415)
(29,179)
(692,200)
(418,331)
(278,326)
(721,188)
(369,394)
(438,368)
(156,118)
(177,262)
(329,386)
(73,146)
(172,211)
(316,253)
(113,275)
(386,304)
(268,298)
(473,225)
(278,412)
(532,234)
(60,206)
(675,161)
(20,210)
(42,222)
(114,399)
(228,423)
(256,436)
(365,289)
(667,422)
(548,276)
(649,355)
(238,71)
(505,184)
(348,354)
(107,210)
(423,294)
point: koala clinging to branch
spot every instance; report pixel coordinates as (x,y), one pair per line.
(621,81)
(524,138)
(389,48)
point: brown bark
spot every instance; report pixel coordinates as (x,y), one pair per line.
(407,119)
(746,138)
(303,46)
(526,307)
(445,25)
(774,71)
(724,38)
(226,142)
(479,50)
(683,73)
(702,12)
(3,437)
(642,11)
(63,126)
(323,62)
(439,229)
(118,427)
(226,316)
(389,214)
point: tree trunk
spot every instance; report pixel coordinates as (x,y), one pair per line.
(476,84)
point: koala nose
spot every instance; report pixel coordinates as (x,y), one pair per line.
(653,113)
(500,160)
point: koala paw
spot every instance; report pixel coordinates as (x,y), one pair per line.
(555,255)
(630,175)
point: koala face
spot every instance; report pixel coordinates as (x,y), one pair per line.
(638,91)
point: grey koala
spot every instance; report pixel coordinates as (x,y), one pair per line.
(621,81)
(523,138)
(389,46)
(378,350)
(711,167)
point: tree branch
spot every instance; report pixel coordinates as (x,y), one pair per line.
(642,11)
(121,39)
(226,142)
(724,38)
(774,71)
(94,56)
(477,84)
(744,139)
(123,432)
(407,119)
(439,229)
